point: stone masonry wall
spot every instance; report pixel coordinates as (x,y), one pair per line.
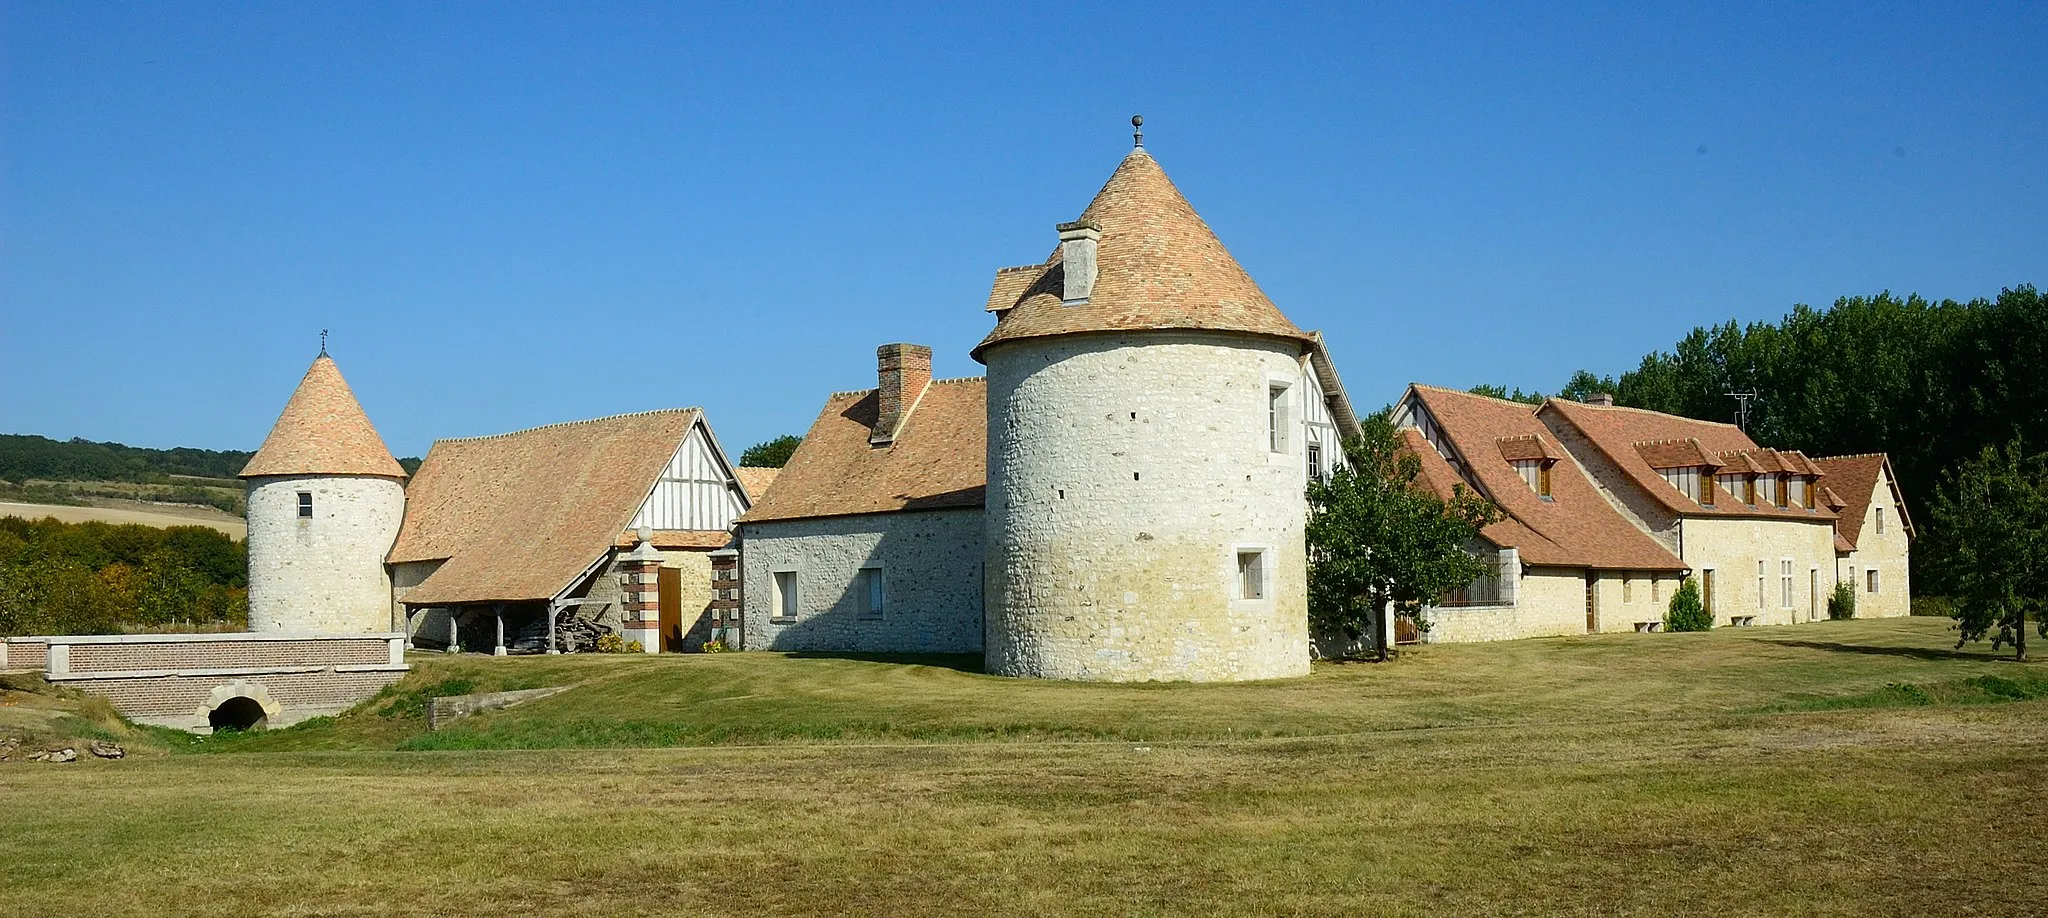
(1732,547)
(170,679)
(324,574)
(931,575)
(1549,602)
(1125,473)
(1889,553)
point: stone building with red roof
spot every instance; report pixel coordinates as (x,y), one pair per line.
(1873,533)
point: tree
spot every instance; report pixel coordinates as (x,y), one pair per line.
(1686,612)
(1377,538)
(1991,517)
(773,454)
(1842,602)
(1502,393)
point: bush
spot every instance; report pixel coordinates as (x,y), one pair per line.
(1687,613)
(610,642)
(714,646)
(1842,602)
(635,647)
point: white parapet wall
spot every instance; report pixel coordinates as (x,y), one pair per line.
(179,680)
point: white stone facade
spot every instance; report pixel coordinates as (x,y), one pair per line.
(1126,475)
(1546,602)
(929,562)
(322,573)
(1888,552)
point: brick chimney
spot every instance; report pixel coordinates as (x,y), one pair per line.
(1601,399)
(1077,260)
(902,371)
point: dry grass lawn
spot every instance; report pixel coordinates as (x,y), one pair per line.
(1857,768)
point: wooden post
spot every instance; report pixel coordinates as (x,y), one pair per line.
(499,609)
(552,612)
(408,627)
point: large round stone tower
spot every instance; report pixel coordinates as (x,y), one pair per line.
(325,501)
(1145,467)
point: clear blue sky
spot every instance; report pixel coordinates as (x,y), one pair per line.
(515,214)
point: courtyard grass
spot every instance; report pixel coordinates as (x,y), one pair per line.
(1770,771)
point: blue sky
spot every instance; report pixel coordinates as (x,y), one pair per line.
(517,214)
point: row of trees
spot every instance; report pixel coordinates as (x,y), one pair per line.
(98,578)
(23,457)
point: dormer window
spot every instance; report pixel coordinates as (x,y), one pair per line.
(1531,459)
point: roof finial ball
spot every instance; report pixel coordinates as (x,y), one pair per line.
(1138,130)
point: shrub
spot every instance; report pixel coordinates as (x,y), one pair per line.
(715,647)
(635,647)
(1686,612)
(1842,602)
(610,642)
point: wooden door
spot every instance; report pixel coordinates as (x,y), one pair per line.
(1592,603)
(670,596)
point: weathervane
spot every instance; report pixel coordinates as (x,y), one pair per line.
(1742,400)
(1138,130)
(323,342)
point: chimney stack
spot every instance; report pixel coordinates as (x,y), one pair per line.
(1077,260)
(902,371)
(1601,399)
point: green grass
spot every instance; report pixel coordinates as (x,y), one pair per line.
(1838,768)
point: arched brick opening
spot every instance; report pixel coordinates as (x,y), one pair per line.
(239,705)
(237,713)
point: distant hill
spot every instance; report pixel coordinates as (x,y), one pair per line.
(26,457)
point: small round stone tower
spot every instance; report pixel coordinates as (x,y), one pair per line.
(325,501)
(1145,467)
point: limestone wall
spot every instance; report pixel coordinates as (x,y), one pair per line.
(1549,602)
(1888,552)
(324,573)
(1732,547)
(1627,599)
(1125,474)
(931,569)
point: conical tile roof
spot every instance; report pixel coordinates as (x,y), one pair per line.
(323,431)
(1158,266)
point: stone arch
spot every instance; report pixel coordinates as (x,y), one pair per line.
(240,704)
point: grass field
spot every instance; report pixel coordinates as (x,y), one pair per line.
(1838,768)
(121,511)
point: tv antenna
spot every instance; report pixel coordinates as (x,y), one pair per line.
(1742,400)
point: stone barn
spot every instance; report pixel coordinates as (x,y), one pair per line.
(1873,533)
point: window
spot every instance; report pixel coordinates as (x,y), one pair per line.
(1251,574)
(1785,584)
(1707,590)
(867,585)
(1656,589)
(1807,487)
(1749,491)
(1784,498)
(785,596)
(1276,417)
(1813,593)
(1759,586)
(1628,588)
(1872,574)
(1543,479)
(1707,490)
(1880,521)
(305,505)
(1315,462)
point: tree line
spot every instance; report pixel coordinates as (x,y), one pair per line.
(101,578)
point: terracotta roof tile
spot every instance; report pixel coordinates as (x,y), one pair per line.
(1614,432)
(1853,482)
(1576,527)
(1158,266)
(677,539)
(1675,454)
(518,516)
(323,431)
(755,480)
(1527,446)
(938,459)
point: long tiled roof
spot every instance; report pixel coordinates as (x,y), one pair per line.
(518,516)
(1577,527)
(1854,482)
(1158,266)
(755,480)
(323,431)
(1615,432)
(938,459)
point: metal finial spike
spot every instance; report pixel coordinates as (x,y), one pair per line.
(323,342)
(1138,130)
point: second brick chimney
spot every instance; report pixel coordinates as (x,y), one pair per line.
(902,371)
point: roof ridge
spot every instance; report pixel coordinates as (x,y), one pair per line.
(1851,456)
(956,379)
(1015,268)
(1504,401)
(528,430)
(1646,411)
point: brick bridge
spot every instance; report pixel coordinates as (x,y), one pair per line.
(199,682)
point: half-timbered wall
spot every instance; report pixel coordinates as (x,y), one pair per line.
(1319,428)
(696,490)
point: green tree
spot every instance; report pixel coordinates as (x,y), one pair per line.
(1686,612)
(1992,519)
(773,454)
(1502,393)
(1377,539)
(1842,602)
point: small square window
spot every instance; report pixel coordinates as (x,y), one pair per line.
(1872,574)
(305,505)
(1251,575)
